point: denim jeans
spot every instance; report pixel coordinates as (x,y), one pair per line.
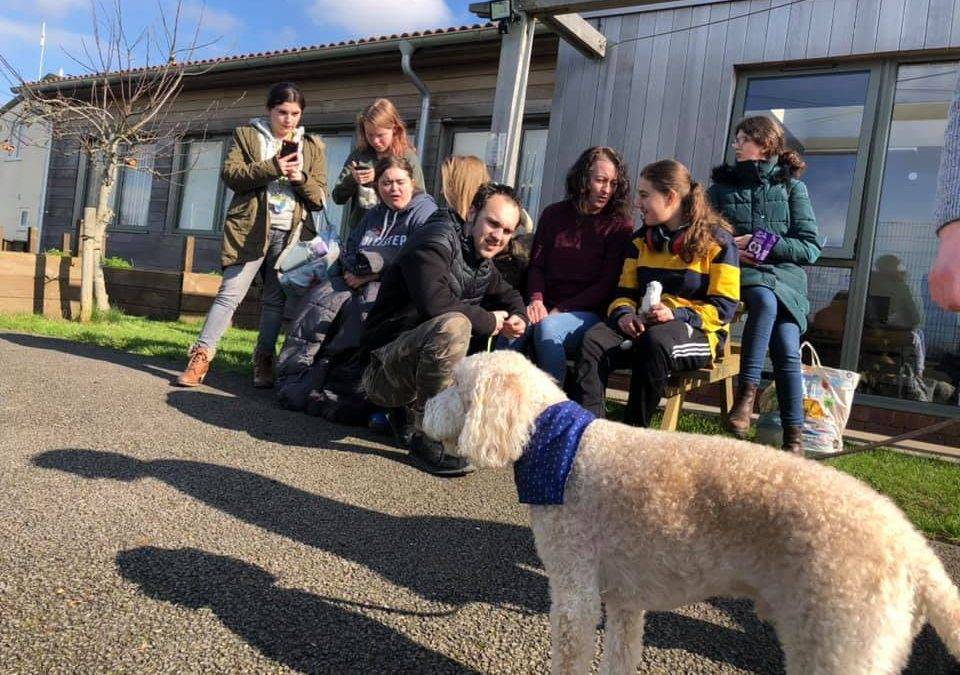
(233,289)
(555,338)
(770,325)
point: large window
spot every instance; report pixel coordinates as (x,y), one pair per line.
(872,137)
(533,147)
(130,199)
(823,116)
(338,147)
(909,345)
(204,198)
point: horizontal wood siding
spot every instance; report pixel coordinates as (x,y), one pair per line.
(673,71)
(461,80)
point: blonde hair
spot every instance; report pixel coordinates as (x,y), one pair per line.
(382,114)
(461,176)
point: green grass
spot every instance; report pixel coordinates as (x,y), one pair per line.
(167,339)
(928,490)
(117,262)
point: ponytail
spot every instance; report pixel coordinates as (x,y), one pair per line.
(792,163)
(705,224)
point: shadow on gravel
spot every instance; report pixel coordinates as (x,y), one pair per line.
(454,561)
(305,632)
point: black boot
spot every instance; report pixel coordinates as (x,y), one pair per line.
(431,456)
(401,425)
(738,419)
(793,440)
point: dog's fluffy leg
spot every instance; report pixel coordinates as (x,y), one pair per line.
(573,623)
(623,637)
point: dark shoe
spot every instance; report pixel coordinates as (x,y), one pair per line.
(401,425)
(738,419)
(263,371)
(793,440)
(432,458)
(196,368)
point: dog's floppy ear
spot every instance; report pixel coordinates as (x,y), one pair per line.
(498,423)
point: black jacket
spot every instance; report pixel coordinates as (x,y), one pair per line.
(437,271)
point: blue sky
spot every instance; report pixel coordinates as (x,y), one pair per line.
(238,26)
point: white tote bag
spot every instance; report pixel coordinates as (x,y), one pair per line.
(827,400)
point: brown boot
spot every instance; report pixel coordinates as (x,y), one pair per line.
(738,419)
(197,367)
(793,440)
(263,375)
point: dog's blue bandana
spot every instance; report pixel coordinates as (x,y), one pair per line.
(541,472)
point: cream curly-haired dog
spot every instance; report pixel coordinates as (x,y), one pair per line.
(654,520)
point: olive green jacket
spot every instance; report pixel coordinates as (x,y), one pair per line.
(245,228)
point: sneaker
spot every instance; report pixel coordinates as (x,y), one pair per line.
(263,374)
(197,367)
(432,458)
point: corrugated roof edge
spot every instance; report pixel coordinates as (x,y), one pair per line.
(297,53)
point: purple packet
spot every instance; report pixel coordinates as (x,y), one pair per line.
(761,243)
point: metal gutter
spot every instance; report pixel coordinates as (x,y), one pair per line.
(406,51)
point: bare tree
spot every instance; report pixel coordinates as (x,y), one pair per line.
(123,101)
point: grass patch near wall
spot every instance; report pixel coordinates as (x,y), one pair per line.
(137,335)
(927,489)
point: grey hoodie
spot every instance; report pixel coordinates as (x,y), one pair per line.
(377,239)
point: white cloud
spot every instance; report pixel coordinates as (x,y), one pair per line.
(212,20)
(50,9)
(381,17)
(27,34)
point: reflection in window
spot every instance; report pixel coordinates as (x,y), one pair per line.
(201,185)
(822,115)
(909,345)
(828,290)
(530,171)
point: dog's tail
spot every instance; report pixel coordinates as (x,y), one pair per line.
(939,599)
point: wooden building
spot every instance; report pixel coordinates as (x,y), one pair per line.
(863,88)
(458,66)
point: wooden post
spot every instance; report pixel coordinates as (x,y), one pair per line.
(189,245)
(87,263)
(33,244)
(65,244)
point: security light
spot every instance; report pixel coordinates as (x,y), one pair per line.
(500,10)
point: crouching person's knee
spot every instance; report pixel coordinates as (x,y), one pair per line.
(449,339)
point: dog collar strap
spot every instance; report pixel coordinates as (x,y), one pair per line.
(541,472)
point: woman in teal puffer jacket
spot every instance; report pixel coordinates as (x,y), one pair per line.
(761,192)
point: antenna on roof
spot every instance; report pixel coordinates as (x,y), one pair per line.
(43,48)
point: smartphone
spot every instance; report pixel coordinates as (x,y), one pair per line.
(288,148)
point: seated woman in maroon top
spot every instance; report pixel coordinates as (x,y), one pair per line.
(576,258)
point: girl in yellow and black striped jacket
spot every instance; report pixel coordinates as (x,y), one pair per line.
(686,247)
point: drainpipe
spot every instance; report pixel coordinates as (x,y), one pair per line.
(406,50)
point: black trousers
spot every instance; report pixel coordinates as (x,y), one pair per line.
(661,349)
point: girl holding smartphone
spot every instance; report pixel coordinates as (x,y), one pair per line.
(278,176)
(380,133)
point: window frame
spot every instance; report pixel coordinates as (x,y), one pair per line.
(848,249)
(877,127)
(17,140)
(118,198)
(175,200)
(452,126)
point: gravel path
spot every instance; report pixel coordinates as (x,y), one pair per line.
(151,529)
